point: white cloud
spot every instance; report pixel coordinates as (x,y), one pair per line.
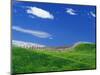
(92,14)
(36,33)
(39,13)
(28,44)
(70,11)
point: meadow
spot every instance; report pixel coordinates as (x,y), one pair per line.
(80,57)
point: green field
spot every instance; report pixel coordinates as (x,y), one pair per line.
(80,57)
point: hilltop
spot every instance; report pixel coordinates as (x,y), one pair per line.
(31,45)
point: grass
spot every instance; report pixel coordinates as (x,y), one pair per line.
(80,57)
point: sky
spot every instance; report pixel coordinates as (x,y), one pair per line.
(52,24)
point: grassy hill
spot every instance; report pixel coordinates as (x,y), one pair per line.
(80,57)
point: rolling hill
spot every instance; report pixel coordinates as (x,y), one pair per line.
(80,57)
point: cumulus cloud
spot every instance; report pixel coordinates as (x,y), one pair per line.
(93,14)
(70,11)
(41,13)
(36,33)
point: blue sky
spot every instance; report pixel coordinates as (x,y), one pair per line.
(53,24)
